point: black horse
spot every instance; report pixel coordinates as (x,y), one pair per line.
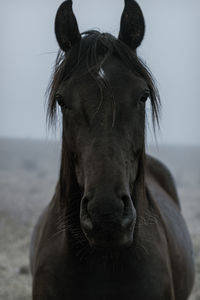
(113,229)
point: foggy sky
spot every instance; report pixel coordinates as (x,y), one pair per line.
(171,50)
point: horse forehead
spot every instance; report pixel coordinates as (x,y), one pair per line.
(112,79)
(112,74)
(120,76)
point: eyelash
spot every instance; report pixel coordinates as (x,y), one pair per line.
(144,98)
(61,102)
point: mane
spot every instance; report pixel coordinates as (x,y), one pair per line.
(91,52)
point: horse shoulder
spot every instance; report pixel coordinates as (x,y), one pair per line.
(163,176)
(162,194)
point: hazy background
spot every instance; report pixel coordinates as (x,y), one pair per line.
(29,169)
(28,49)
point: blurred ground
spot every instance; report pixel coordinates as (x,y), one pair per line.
(28,173)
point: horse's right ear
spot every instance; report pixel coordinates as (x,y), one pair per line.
(66,27)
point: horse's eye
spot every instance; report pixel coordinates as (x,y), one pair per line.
(60,100)
(144,97)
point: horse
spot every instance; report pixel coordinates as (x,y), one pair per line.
(114,228)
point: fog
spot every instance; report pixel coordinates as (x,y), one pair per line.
(28,49)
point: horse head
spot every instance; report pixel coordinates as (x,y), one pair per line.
(102,88)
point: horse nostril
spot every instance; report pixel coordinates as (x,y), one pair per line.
(84,204)
(85,219)
(127,203)
(129,216)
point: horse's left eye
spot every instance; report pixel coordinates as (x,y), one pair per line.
(144,98)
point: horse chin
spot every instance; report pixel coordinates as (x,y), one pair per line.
(107,243)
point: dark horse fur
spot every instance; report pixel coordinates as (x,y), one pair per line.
(114,228)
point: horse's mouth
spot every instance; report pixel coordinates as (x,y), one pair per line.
(110,239)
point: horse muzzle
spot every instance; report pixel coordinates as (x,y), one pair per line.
(108,222)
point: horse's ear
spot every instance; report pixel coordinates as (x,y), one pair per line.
(132,26)
(66,27)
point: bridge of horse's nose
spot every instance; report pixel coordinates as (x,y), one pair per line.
(107,214)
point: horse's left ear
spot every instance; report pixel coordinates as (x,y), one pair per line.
(66,27)
(132,26)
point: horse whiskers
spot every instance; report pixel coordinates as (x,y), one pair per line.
(57,233)
(140,246)
(147,219)
(66,223)
(67,219)
(69,222)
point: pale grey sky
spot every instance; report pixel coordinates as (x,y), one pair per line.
(171,49)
